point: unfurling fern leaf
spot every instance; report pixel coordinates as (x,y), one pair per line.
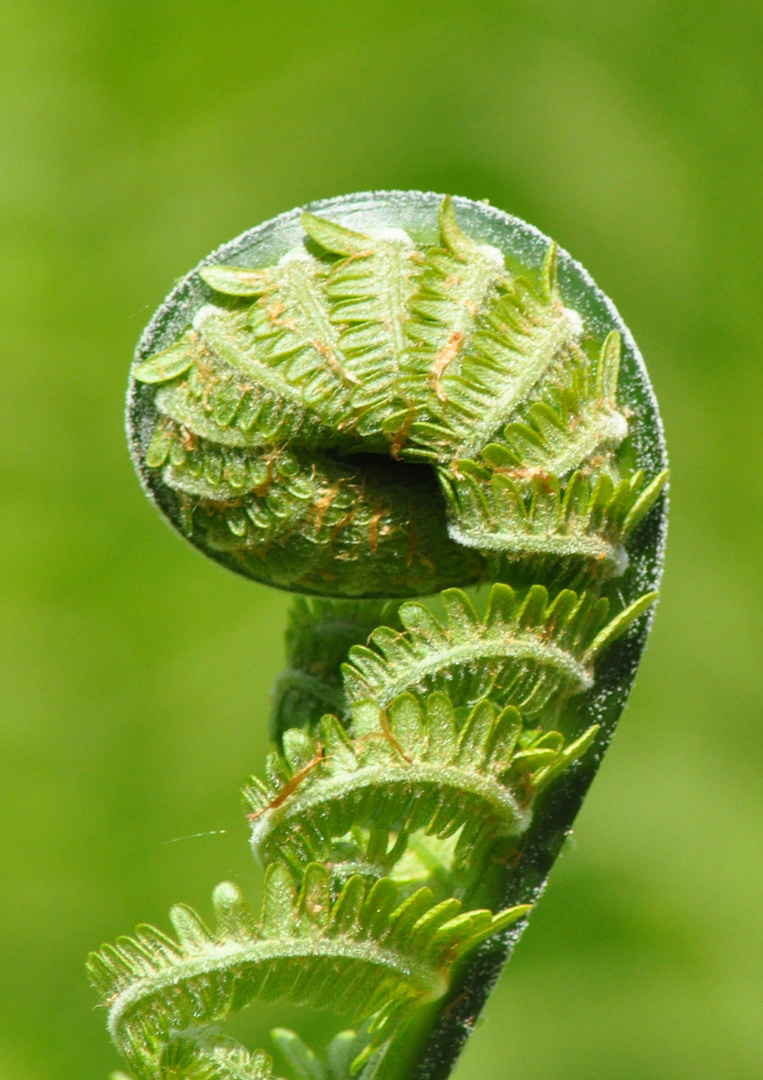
(364,953)
(577,532)
(384,398)
(408,770)
(529,651)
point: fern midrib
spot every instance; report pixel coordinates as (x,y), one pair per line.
(322,335)
(169,402)
(500,800)
(397,288)
(215,335)
(488,539)
(478,282)
(485,423)
(427,983)
(513,647)
(482,281)
(597,427)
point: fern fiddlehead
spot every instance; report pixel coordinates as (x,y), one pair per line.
(392,397)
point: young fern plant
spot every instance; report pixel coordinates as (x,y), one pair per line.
(388,397)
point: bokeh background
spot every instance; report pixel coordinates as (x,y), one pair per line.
(135,136)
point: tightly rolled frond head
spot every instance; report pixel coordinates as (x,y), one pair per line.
(363,416)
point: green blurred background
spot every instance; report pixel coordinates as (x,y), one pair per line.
(136,135)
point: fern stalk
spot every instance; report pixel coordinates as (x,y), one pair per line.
(384,398)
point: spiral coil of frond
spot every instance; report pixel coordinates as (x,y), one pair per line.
(377,416)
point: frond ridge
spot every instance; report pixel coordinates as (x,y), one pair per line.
(576,418)
(369,292)
(519,341)
(530,650)
(519,514)
(354,954)
(299,520)
(457,283)
(353,799)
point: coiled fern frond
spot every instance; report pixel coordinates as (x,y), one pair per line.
(385,400)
